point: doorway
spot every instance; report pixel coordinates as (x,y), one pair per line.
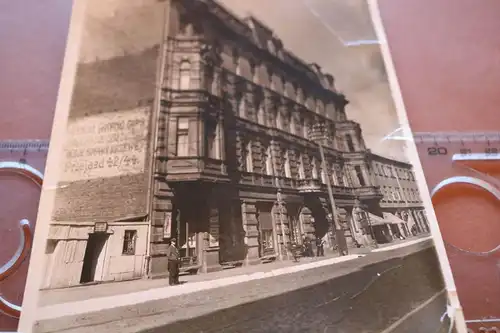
(93,258)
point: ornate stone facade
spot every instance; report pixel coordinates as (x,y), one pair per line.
(236,132)
(401,196)
(232,163)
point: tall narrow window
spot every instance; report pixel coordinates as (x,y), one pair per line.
(212,140)
(271,81)
(306,128)
(359,175)
(129,242)
(349,142)
(293,128)
(249,157)
(279,119)
(260,113)
(269,162)
(288,170)
(314,168)
(242,106)
(302,173)
(253,73)
(185,75)
(182,137)
(340,176)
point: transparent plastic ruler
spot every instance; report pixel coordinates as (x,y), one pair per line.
(28,145)
(467,146)
(470,158)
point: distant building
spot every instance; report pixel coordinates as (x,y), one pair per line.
(236,175)
(401,198)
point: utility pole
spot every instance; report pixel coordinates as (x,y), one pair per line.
(339,232)
(279,201)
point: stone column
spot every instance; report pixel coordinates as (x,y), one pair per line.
(250,226)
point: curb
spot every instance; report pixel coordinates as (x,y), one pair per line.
(398,246)
(103,303)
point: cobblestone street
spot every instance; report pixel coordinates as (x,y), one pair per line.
(362,295)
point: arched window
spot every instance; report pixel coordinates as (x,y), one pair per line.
(185,75)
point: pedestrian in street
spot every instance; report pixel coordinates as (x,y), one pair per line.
(173,262)
(320,247)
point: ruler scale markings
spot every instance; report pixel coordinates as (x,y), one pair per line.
(24,145)
(473,146)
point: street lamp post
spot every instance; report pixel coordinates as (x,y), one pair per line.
(317,136)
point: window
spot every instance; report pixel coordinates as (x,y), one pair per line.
(185,75)
(271,80)
(249,157)
(182,137)
(279,119)
(306,128)
(129,242)
(359,174)
(212,141)
(340,176)
(293,128)
(314,168)
(349,142)
(288,170)
(302,173)
(253,73)
(236,59)
(260,114)
(269,162)
(241,106)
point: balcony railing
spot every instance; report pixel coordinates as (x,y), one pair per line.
(368,191)
(310,186)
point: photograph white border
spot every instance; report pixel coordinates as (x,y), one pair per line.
(52,168)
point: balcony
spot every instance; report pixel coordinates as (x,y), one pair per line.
(196,169)
(310,186)
(368,192)
(256,179)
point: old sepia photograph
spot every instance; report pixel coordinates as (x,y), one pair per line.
(225,167)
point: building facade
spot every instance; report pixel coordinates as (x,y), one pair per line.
(231,166)
(401,202)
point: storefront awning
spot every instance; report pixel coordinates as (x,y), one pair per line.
(393,218)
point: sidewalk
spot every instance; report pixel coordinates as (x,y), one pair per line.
(81,293)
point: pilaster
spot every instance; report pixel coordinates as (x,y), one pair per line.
(250,226)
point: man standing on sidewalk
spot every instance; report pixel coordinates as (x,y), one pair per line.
(320,247)
(173,262)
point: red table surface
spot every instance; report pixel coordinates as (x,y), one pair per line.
(446,55)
